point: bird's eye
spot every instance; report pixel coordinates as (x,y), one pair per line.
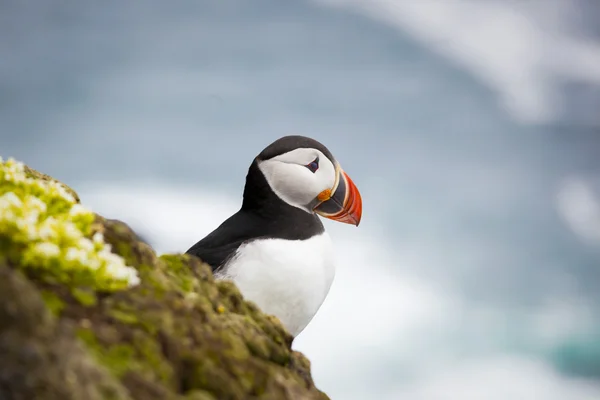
(313,166)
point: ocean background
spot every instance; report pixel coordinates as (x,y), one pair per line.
(472,129)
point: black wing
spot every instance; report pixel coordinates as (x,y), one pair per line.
(222,243)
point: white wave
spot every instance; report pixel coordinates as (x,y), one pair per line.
(520,49)
(579,208)
(499,378)
(378,315)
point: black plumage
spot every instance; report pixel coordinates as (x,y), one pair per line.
(262,214)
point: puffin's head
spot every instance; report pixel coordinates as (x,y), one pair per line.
(303,173)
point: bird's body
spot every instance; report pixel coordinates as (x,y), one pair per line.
(287,278)
(275,247)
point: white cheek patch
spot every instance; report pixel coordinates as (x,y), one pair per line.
(301,156)
(295,184)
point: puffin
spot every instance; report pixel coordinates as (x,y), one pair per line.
(275,248)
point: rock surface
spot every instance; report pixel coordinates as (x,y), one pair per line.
(175,333)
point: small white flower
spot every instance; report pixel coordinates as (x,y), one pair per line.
(78,209)
(37,204)
(25,220)
(47,229)
(7,215)
(70,230)
(19,166)
(133,279)
(75,254)
(31,217)
(94,264)
(11,199)
(28,227)
(18,178)
(60,190)
(116,271)
(85,244)
(14,171)
(47,249)
(110,258)
(98,237)
(123,273)
(67,196)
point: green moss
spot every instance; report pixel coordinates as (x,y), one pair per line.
(177,268)
(151,359)
(124,250)
(118,358)
(178,334)
(52,301)
(40,357)
(143,356)
(32,173)
(85,297)
(198,395)
(123,317)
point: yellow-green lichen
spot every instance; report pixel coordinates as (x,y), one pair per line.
(44,231)
(53,302)
(123,317)
(199,395)
(40,357)
(33,174)
(117,358)
(179,271)
(175,335)
(84,296)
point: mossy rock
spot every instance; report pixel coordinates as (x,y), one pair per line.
(32,173)
(175,334)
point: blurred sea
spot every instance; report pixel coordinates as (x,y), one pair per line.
(472,129)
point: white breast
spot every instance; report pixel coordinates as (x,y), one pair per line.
(286,278)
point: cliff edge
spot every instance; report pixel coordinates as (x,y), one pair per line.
(87,311)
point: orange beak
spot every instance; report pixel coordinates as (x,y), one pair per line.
(343,203)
